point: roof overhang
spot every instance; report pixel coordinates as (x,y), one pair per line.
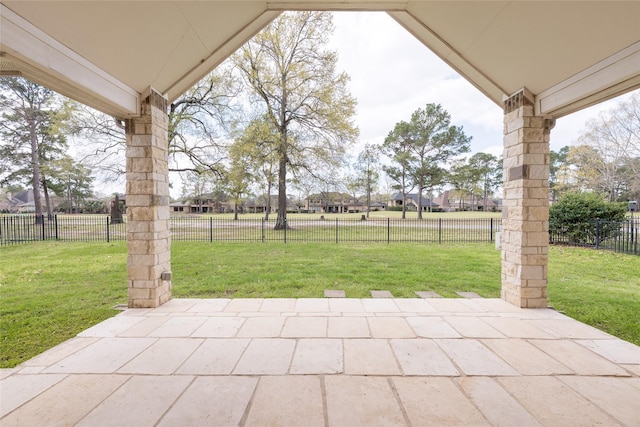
(570,55)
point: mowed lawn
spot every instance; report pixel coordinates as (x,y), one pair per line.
(50,291)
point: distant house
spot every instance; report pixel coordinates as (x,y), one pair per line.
(411,201)
(21,202)
(451,201)
(333,202)
(179,207)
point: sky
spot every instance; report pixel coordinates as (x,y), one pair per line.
(393,74)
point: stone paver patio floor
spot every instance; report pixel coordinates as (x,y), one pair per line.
(329,362)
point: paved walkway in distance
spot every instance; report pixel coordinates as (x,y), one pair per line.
(330,362)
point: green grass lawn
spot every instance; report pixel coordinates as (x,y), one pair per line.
(51,291)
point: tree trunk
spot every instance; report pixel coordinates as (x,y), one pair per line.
(281,221)
(47,200)
(35,162)
(404,199)
(235,211)
(420,201)
(268,204)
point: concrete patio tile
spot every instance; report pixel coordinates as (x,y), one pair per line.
(498,406)
(361,401)
(369,357)
(518,328)
(449,305)
(422,357)
(635,369)
(111,327)
(24,388)
(381,294)
(312,305)
(414,305)
(390,327)
(214,357)
(219,401)
(163,357)
(468,295)
(176,305)
(613,395)
(633,382)
(544,313)
(266,357)
(5,372)
(317,356)
(144,328)
(428,294)
(578,358)
(570,328)
(67,402)
(432,327)
(554,403)
(305,327)
(380,305)
(436,401)
(526,358)
(348,327)
(141,401)
(207,306)
(60,351)
(334,293)
(498,305)
(616,350)
(219,327)
(474,358)
(472,327)
(178,327)
(137,311)
(243,305)
(287,401)
(261,327)
(102,357)
(280,305)
(346,305)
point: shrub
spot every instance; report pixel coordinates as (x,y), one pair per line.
(583,218)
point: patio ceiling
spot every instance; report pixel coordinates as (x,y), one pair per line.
(106,53)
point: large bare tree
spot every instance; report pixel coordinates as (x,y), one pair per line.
(294,82)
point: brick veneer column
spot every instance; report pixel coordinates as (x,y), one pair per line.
(148,239)
(525,226)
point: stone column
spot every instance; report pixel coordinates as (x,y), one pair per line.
(525,224)
(148,238)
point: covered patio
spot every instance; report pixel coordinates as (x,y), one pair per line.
(330,362)
(325,361)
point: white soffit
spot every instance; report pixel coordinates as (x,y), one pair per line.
(105,53)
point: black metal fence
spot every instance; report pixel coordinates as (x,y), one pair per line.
(620,236)
(26,228)
(617,236)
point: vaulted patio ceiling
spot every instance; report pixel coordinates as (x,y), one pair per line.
(107,53)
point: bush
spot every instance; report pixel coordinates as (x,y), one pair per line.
(584,218)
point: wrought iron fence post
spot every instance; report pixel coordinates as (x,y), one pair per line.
(491,230)
(388,230)
(285,230)
(210,229)
(439,230)
(336,230)
(55,225)
(597,234)
(108,237)
(262,230)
